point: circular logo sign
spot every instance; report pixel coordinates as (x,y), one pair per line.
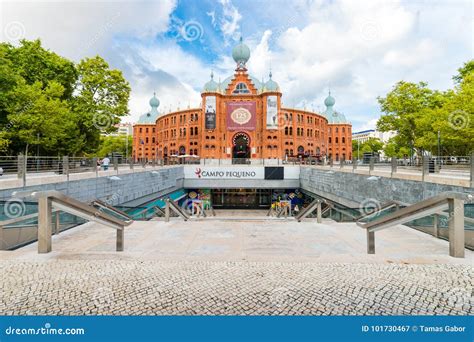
(241,116)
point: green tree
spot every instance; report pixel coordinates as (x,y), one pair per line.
(466,69)
(102,99)
(371,145)
(404,106)
(393,149)
(39,117)
(36,64)
(118,144)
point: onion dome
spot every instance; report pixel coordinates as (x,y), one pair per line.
(271,85)
(333,116)
(151,116)
(211,86)
(241,53)
(154,102)
(329,101)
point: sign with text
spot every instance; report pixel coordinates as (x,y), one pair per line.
(240,172)
(241,115)
(272,112)
(210,115)
(217,172)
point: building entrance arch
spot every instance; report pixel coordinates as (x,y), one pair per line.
(241,146)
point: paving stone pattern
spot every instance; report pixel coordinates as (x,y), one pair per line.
(131,287)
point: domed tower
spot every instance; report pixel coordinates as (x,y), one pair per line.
(241,54)
(144,132)
(340,135)
(151,116)
(211,86)
(271,85)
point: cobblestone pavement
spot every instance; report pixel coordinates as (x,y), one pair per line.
(122,287)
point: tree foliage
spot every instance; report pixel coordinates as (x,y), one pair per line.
(48,101)
(115,144)
(418,113)
(371,145)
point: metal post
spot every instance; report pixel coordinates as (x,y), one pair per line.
(20,164)
(394,165)
(371,164)
(167,210)
(354,164)
(22,167)
(318,212)
(44,224)
(436,225)
(370,242)
(56,223)
(424,167)
(341,163)
(330,162)
(456,227)
(116,164)
(131,163)
(3,244)
(120,240)
(65,166)
(94,164)
(472,170)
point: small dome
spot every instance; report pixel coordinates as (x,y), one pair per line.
(241,53)
(329,101)
(336,118)
(271,85)
(147,118)
(154,102)
(211,86)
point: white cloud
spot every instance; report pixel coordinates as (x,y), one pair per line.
(230,19)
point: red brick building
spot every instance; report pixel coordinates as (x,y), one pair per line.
(242,117)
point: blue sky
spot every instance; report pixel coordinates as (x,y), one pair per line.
(358,49)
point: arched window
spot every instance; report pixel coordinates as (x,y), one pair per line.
(337,140)
(343,140)
(291,130)
(241,88)
(286,130)
(329,139)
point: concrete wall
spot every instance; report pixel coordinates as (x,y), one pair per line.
(128,188)
(354,188)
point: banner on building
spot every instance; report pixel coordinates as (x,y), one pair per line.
(241,115)
(210,115)
(272,112)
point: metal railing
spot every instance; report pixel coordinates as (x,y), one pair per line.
(451,201)
(49,201)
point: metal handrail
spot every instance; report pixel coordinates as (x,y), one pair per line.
(50,198)
(454,201)
(383,207)
(107,206)
(412,212)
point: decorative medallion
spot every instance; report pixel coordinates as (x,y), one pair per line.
(241,116)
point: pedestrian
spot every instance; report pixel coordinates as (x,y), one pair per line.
(105,163)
